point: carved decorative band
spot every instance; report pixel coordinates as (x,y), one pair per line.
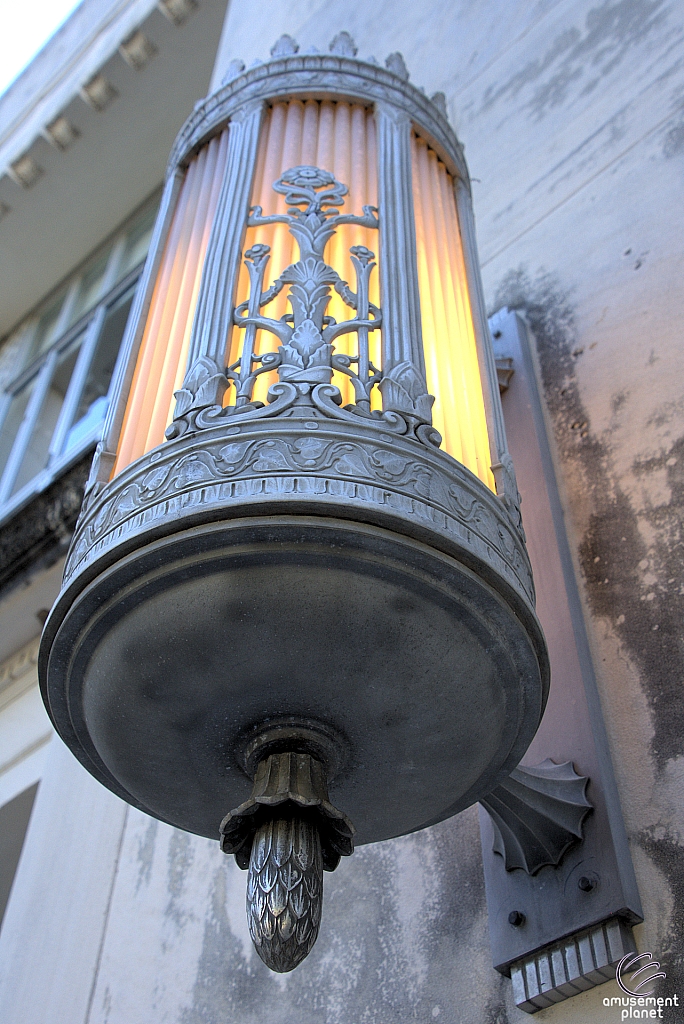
(21,666)
(382,477)
(319,76)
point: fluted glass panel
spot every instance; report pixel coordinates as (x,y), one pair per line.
(452,370)
(337,137)
(163,352)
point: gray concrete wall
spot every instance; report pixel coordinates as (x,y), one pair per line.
(572,112)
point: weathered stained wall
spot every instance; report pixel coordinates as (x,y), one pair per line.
(141,922)
(572,112)
(589,248)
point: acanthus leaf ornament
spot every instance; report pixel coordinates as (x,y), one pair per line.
(203,388)
(407,405)
(305,356)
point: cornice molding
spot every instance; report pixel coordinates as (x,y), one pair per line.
(19,673)
(98,39)
(319,76)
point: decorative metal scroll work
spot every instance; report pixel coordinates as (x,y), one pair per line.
(305,357)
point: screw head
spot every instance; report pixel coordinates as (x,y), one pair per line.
(516,918)
(586,884)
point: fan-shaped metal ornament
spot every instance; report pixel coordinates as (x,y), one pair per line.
(537,814)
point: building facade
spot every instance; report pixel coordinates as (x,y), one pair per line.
(571,115)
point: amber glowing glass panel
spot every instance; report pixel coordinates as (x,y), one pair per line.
(453,373)
(337,137)
(162,358)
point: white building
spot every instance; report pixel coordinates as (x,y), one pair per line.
(573,124)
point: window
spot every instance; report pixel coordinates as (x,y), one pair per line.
(54,409)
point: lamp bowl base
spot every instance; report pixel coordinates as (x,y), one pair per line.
(157,669)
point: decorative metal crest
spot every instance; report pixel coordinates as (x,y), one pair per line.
(306,357)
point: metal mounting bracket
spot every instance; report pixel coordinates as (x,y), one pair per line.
(561,928)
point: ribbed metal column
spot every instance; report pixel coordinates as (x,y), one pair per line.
(214,313)
(485,353)
(402,338)
(128,353)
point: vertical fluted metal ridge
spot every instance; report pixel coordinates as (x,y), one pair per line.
(402,334)
(214,312)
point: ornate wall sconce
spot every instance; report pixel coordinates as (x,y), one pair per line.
(306,618)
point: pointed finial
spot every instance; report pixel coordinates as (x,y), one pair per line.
(395,63)
(234,69)
(343,45)
(287,833)
(285,47)
(439,100)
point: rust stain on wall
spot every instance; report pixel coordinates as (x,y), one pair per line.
(582,56)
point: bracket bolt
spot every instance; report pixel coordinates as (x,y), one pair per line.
(516,918)
(586,884)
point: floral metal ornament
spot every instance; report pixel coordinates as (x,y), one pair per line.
(305,356)
(306,335)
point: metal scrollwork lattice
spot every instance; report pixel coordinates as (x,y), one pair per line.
(305,357)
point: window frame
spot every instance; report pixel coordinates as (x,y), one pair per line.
(41,369)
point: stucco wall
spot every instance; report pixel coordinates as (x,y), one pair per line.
(572,113)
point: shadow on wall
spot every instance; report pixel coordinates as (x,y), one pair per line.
(404,934)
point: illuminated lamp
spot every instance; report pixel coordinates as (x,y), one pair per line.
(297,612)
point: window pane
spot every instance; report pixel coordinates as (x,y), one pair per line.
(13,352)
(138,241)
(45,330)
(36,455)
(13,420)
(90,286)
(92,407)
